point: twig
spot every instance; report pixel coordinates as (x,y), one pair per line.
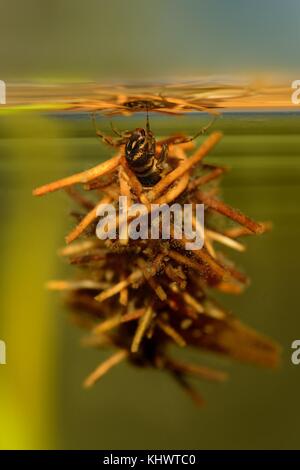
(204,179)
(219,237)
(141,329)
(86,221)
(79,198)
(198,371)
(236,232)
(74,285)
(228,211)
(82,177)
(161,186)
(105,367)
(134,277)
(170,331)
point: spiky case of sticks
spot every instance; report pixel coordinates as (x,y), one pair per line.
(138,296)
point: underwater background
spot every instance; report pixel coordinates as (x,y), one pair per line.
(42,402)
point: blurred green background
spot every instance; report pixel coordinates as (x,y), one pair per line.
(42,404)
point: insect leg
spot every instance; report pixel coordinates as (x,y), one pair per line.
(162,157)
(123,135)
(174,139)
(182,139)
(106,138)
(202,130)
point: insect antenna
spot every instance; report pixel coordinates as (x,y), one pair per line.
(93,116)
(115,131)
(147,120)
(203,129)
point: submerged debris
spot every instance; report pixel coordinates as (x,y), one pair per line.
(139,296)
(124,104)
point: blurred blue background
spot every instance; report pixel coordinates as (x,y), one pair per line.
(117,39)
